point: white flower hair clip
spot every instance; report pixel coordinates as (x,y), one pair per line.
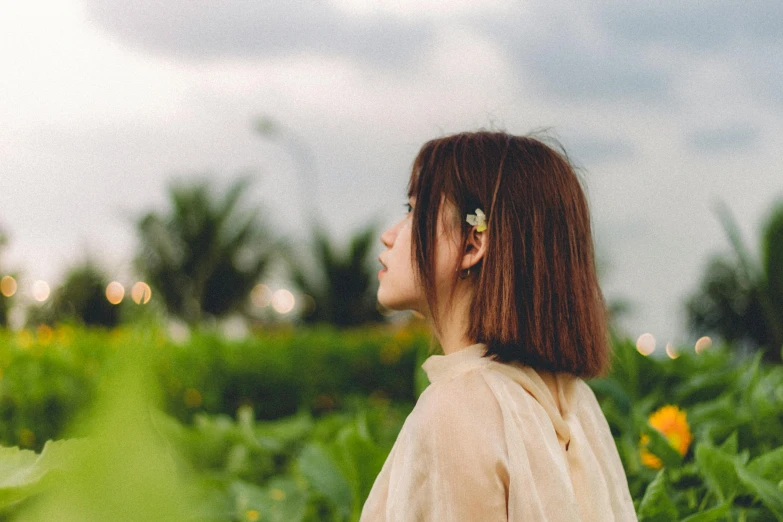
(478,219)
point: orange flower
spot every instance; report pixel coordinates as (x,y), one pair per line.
(671,423)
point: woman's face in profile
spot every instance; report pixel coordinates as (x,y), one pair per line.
(397,288)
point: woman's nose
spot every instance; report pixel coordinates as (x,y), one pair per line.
(387,238)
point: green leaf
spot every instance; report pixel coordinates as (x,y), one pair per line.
(21,471)
(769,465)
(325,476)
(129,470)
(660,447)
(729,445)
(656,504)
(719,471)
(282,500)
(710,515)
(362,460)
(610,387)
(765,490)
(17,472)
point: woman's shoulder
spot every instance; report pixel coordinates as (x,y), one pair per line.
(463,401)
(467,390)
(478,391)
(456,416)
(484,383)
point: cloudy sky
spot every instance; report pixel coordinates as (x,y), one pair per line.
(667,106)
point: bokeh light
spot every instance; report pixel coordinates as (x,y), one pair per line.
(703,343)
(115,292)
(283,301)
(261,296)
(179,332)
(671,351)
(41,291)
(141,293)
(645,344)
(8,286)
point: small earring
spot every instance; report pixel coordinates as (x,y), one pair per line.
(464,274)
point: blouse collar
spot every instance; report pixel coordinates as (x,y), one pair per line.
(441,368)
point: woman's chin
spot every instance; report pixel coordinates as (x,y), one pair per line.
(399,306)
(390,303)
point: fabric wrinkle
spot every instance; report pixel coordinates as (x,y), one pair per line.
(488,441)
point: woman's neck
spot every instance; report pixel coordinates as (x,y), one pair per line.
(454,325)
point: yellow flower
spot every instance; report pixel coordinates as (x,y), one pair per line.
(670,421)
(252,515)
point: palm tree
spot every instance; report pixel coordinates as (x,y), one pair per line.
(740,299)
(81,298)
(343,286)
(204,256)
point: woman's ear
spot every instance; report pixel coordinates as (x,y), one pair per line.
(475,248)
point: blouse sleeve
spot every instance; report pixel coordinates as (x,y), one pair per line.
(459,470)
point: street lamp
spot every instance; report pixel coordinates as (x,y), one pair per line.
(268,128)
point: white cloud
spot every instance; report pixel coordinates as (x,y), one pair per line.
(98,116)
(59,71)
(431,9)
(203,31)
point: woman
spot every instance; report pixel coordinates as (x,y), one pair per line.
(496,252)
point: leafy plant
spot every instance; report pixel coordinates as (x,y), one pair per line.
(48,375)
(80,299)
(741,299)
(734,409)
(319,464)
(204,255)
(342,285)
(123,468)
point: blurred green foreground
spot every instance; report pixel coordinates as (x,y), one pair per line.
(294,425)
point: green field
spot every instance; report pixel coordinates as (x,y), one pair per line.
(294,424)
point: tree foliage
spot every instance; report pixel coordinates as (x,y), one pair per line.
(81,298)
(204,254)
(342,284)
(739,298)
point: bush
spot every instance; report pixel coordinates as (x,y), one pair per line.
(700,436)
(49,375)
(734,409)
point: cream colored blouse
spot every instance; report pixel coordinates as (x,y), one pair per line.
(486,442)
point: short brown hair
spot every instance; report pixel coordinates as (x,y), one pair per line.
(537,299)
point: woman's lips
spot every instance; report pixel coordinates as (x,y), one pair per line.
(381,272)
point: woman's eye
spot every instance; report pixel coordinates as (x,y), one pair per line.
(409,207)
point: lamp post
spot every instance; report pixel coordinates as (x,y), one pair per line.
(268,128)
